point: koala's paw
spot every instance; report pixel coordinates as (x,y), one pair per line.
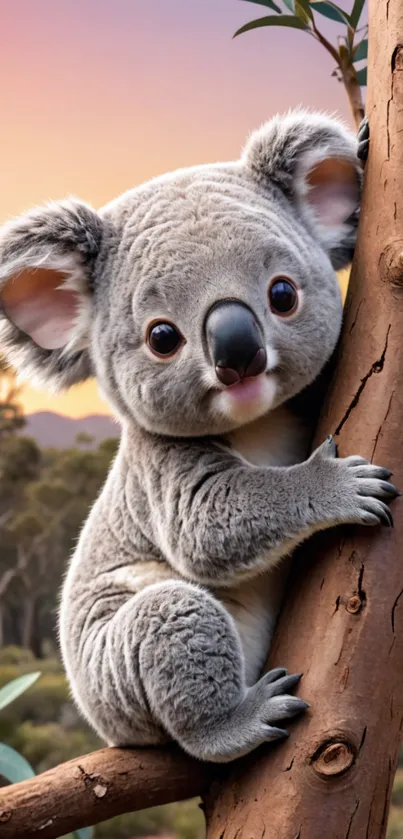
(363,140)
(270,703)
(354,491)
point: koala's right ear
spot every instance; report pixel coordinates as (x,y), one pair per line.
(313,159)
(47,258)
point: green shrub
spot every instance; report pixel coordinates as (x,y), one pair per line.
(45,701)
(16,657)
(184,820)
(47,745)
(395,824)
(397,792)
(42,724)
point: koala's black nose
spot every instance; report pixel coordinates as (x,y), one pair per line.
(235,342)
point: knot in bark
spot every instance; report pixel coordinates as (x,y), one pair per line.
(397,58)
(354,604)
(333,758)
(391,263)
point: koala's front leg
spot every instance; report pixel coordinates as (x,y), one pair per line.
(220,520)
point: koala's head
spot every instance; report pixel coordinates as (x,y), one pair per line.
(200,300)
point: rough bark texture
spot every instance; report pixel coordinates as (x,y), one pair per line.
(93,788)
(342,624)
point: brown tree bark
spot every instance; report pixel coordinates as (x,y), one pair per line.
(342,624)
(96,787)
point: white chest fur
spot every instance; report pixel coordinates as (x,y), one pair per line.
(278,439)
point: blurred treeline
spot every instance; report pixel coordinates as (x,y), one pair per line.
(45,495)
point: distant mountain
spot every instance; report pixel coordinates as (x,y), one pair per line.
(51,429)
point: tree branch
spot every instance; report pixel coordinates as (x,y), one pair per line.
(96,787)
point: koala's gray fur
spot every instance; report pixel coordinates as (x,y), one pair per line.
(170,601)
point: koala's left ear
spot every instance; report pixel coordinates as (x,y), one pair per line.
(313,159)
(47,258)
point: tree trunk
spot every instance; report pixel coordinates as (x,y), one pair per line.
(2,632)
(29,623)
(342,623)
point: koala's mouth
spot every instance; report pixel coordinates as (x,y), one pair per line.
(249,399)
(247,390)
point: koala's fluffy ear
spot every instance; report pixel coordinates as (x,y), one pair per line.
(47,257)
(313,159)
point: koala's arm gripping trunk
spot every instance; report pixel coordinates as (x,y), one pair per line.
(343,619)
(218,521)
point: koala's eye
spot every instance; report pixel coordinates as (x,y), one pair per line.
(164,339)
(283,297)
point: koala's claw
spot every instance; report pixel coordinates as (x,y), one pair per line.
(280,685)
(271,733)
(378,513)
(274,674)
(379,488)
(363,140)
(270,696)
(283,707)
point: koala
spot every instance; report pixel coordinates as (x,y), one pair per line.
(205,302)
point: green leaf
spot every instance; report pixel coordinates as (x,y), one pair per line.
(84,833)
(362,77)
(330,10)
(303,11)
(361,50)
(269,3)
(13,766)
(290,5)
(356,13)
(13,689)
(272,20)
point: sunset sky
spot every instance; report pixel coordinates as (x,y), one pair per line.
(100,95)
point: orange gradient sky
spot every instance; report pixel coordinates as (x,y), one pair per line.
(100,95)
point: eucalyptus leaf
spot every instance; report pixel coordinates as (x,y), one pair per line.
(13,689)
(13,766)
(273,20)
(361,50)
(362,77)
(331,11)
(290,5)
(356,13)
(268,3)
(303,11)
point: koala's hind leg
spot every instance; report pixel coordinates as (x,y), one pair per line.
(192,672)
